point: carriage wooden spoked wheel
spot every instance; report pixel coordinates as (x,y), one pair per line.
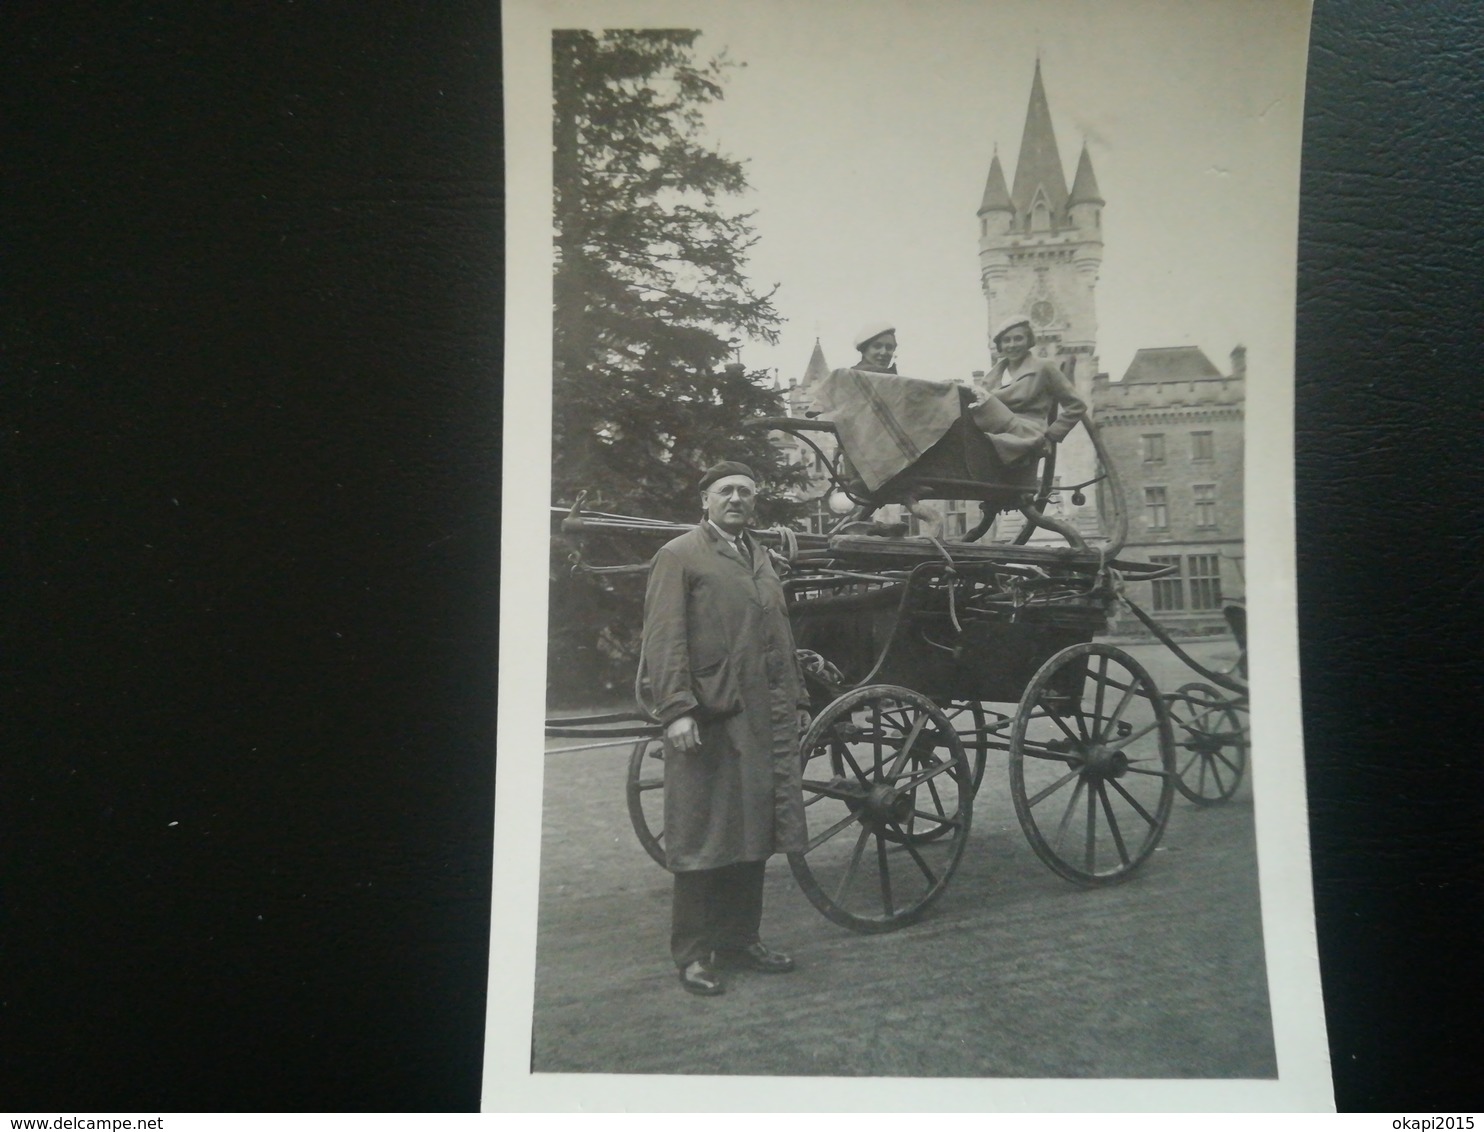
(1211,744)
(1092,764)
(887,800)
(644,789)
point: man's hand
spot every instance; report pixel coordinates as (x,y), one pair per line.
(683,735)
(804,719)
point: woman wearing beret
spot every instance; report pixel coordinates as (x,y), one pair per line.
(1022,392)
(877,343)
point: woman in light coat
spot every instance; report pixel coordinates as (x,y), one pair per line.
(1020,395)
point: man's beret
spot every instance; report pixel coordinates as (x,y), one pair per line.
(723,469)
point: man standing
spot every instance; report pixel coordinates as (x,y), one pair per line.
(719,659)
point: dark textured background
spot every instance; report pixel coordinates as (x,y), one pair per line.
(1389,542)
(251,362)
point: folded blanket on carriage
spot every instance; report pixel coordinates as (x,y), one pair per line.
(885,421)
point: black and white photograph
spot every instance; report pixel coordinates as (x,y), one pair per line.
(907,713)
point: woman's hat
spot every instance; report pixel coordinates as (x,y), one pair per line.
(872,330)
(1009,324)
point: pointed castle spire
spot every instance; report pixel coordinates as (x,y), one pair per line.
(1084,184)
(817,370)
(1038,169)
(996,195)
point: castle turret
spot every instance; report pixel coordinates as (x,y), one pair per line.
(1085,213)
(995,216)
(817,369)
(1085,205)
(995,210)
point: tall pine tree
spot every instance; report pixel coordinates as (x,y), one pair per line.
(651,300)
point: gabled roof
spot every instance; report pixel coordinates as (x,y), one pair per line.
(996,196)
(1084,184)
(1170,363)
(1039,163)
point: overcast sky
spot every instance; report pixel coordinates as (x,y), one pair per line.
(868,130)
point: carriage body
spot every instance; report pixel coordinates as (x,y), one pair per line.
(992,657)
(928,658)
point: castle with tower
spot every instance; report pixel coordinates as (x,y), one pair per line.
(1040,245)
(1173,425)
(1040,248)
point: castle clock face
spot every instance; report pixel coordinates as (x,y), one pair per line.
(1042,312)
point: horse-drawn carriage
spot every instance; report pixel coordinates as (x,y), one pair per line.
(923,656)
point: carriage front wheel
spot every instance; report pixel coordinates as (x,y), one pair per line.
(887,799)
(1092,764)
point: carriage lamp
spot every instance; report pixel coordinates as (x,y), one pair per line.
(840,503)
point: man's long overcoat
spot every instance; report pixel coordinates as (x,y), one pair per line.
(717,644)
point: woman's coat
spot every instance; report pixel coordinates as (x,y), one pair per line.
(1015,415)
(717,645)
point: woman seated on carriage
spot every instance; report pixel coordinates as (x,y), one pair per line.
(1019,396)
(877,344)
(942,425)
(902,436)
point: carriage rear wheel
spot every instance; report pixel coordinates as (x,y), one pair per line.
(1212,748)
(887,802)
(1092,764)
(645,789)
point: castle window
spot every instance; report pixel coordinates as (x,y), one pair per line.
(1156,508)
(984,226)
(1202,446)
(957,518)
(1040,216)
(1153,446)
(1204,571)
(1205,505)
(1169,593)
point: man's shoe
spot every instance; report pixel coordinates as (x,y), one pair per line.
(698,977)
(757,957)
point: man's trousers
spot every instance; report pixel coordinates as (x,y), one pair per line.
(716,909)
